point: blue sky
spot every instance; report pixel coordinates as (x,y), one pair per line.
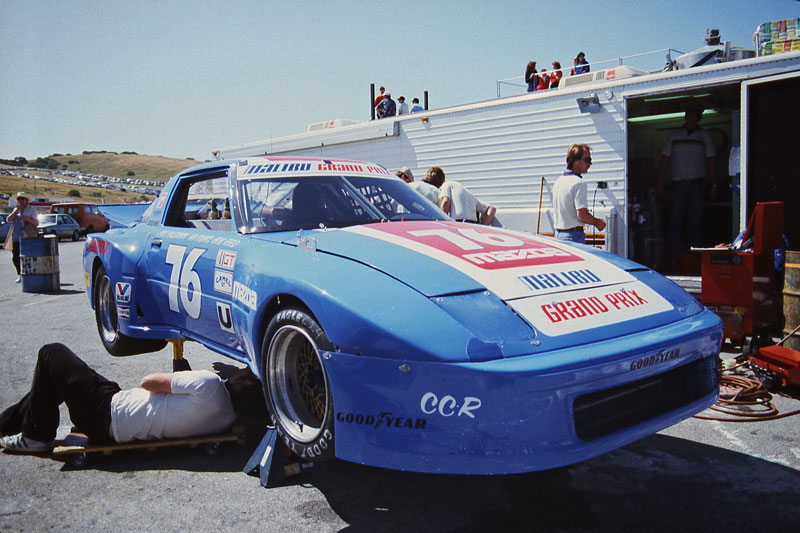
(180,78)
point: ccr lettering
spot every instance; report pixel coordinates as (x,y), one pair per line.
(447,406)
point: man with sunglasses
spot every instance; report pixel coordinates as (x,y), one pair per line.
(570,206)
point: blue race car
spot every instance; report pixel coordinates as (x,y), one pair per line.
(388,335)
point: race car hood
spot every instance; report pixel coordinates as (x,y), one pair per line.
(552,285)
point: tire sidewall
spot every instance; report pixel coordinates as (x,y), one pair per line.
(323,447)
(109,346)
(122,345)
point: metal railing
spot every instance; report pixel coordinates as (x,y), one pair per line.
(645,61)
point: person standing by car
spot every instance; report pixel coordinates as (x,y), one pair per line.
(570,206)
(425,188)
(461,205)
(24,219)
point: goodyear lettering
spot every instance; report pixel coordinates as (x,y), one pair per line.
(308,452)
(447,405)
(661,357)
(553,280)
(386,420)
(514,255)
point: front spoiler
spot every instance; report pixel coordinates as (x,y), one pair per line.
(513,415)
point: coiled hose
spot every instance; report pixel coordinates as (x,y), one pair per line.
(738,396)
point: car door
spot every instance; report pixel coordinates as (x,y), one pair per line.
(189,264)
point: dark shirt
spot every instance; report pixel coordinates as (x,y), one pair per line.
(386,108)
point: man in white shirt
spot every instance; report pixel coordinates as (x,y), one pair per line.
(690,154)
(425,188)
(168,405)
(402,106)
(461,205)
(570,207)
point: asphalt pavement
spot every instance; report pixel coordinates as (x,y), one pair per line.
(695,475)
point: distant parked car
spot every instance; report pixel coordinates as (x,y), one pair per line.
(85,214)
(5,227)
(62,226)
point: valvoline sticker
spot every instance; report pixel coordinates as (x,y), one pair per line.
(481,246)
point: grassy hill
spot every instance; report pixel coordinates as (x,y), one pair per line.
(123,165)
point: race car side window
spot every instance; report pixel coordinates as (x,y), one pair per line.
(199,203)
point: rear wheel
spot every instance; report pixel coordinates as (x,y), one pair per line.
(296,385)
(76,235)
(105,312)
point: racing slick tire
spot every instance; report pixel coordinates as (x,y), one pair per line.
(296,386)
(105,314)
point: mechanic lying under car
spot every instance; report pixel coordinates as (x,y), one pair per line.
(168,405)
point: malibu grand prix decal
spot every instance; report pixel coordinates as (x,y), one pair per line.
(560,289)
(510,264)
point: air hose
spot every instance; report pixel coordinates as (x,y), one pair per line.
(738,396)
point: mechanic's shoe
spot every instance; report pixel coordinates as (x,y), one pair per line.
(19,444)
(18,280)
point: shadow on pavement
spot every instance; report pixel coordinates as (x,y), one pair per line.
(661,483)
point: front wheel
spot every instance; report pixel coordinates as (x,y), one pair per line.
(296,385)
(76,235)
(105,313)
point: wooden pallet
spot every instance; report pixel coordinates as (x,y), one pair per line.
(75,448)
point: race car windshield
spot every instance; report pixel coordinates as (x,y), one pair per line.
(286,204)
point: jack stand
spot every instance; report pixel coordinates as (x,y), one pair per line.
(269,461)
(178,362)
